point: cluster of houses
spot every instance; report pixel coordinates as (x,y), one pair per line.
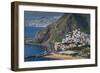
(76,38)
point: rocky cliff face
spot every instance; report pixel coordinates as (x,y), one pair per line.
(56,31)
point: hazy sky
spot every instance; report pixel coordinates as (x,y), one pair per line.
(40,19)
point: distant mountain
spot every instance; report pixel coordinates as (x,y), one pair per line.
(40,18)
(42,21)
(56,31)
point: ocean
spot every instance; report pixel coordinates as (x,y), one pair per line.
(30,49)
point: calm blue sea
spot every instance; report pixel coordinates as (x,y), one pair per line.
(31,50)
(31,31)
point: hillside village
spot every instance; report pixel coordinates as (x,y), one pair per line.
(73,40)
(76,38)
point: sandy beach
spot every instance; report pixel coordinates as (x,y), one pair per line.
(61,56)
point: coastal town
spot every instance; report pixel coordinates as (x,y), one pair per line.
(75,45)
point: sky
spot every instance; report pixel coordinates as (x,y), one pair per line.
(40,19)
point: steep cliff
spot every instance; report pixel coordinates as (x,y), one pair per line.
(56,31)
